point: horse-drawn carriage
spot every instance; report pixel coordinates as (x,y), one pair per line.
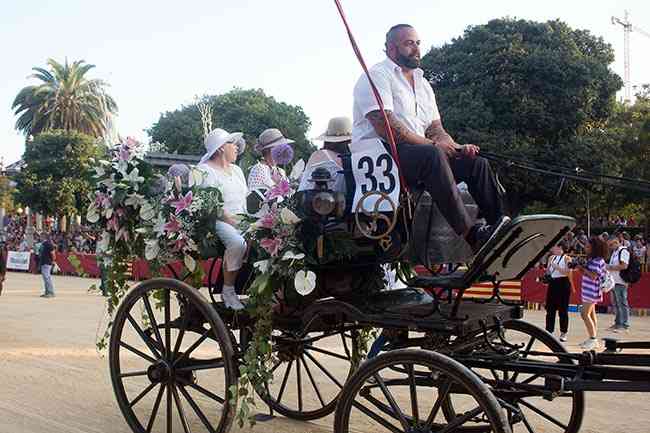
(449,363)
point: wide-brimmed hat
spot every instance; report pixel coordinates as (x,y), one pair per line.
(217,138)
(270,138)
(338,129)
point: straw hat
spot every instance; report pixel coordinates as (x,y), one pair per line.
(270,138)
(217,138)
(338,129)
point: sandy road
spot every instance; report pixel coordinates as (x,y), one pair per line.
(54,381)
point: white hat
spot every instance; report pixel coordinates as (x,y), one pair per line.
(217,138)
(338,129)
(270,138)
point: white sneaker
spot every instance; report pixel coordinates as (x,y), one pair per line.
(563,337)
(231,300)
(590,344)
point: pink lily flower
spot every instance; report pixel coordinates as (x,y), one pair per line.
(272,246)
(112,224)
(281,189)
(172,226)
(268,221)
(182,203)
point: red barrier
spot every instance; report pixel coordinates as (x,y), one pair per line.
(534,291)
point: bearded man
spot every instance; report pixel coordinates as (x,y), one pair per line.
(429,157)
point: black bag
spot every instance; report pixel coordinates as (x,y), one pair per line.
(632,274)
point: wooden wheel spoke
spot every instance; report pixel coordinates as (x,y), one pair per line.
(345,345)
(443,394)
(313,382)
(526,423)
(179,339)
(142,394)
(137,352)
(462,419)
(414,394)
(169,409)
(207,393)
(284,382)
(152,318)
(156,405)
(299,385)
(197,409)
(391,401)
(168,331)
(543,414)
(133,374)
(143,336)
(202,365)
(181,411)
(376,417)
(193,347)
(327,352)
(323,369)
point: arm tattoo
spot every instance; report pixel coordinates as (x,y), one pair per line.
(436,132)
(377,120)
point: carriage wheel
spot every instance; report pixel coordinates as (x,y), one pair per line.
(379,397)
(310,373)
(533,413)
(171,360)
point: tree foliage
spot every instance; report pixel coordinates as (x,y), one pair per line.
(65,99)
(538,91)
(250,111)
(56,178)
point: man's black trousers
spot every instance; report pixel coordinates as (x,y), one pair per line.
(429,166)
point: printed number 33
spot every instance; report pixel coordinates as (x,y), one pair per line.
(385,163)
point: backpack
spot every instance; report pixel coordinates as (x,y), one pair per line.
(633,272)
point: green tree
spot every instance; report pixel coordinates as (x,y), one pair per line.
(56,178)
(533,90)
(250,111)
(7,190)
(65,99)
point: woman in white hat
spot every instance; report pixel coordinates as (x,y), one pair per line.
(336,141)
(275,149)
(218,166)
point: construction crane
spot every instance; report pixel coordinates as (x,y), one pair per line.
(627,29)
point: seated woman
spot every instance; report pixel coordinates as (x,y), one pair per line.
(275,149)
(336,141)
(222,149)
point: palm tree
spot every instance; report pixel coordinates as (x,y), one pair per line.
(65,99)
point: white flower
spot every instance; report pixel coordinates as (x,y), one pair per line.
(147,211)
(159,226)
(297,169)
(262,266)
(191,245)
(190,263)
(104,241)
(134,200)
(151,249)
(99,171)
(304,282)
(291,255)
(195,177)
(134,176)
(108,213)
(92,215)
(288,217)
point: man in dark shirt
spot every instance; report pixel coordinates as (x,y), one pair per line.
(45,261)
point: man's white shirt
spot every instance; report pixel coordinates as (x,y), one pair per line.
(415,108)
(621,255)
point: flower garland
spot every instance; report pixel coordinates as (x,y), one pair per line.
(141,213)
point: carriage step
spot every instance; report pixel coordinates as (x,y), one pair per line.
(454,280)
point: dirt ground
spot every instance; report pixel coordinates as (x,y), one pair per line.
(54,381)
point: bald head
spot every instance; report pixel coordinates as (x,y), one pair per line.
(403,46)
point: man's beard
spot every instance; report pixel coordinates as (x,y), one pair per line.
(408,62)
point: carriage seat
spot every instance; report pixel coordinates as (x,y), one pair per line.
(515,247)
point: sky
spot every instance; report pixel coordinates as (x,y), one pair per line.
(157,55)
